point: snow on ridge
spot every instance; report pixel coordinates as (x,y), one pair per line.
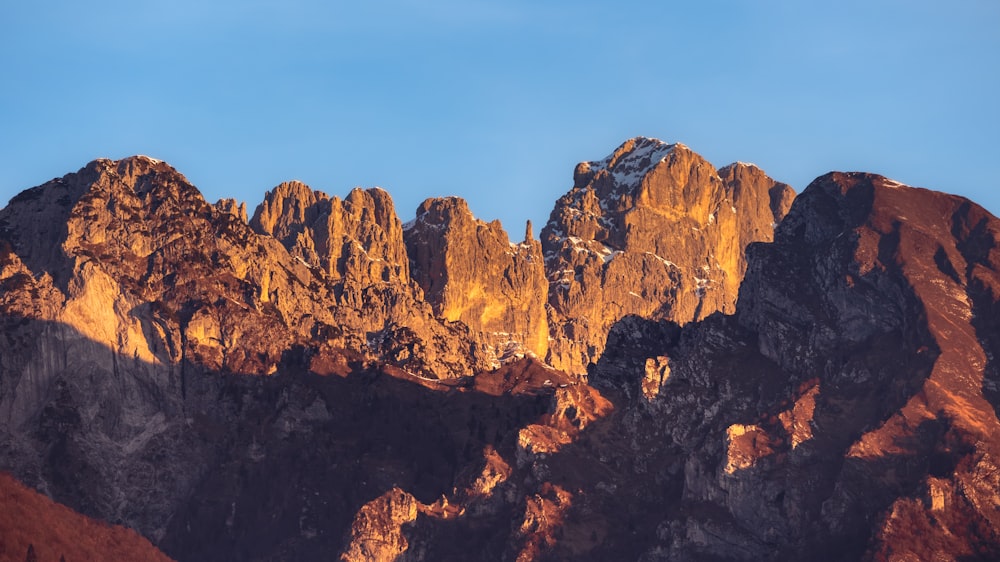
(664,260)
(149,159)
(632,166)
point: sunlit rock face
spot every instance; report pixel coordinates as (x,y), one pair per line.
(356,247)
(293,386)
(359,237)
(839,412)
(126,297)
(652,230)
(471,272)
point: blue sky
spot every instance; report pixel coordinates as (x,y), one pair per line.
(497,101)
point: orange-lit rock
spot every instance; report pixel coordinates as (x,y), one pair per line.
(746,444)
(797,421)
(471,272)
(843,408)
(542,521)
(377,531)
(652,230)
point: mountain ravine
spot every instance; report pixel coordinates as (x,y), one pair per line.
(690,364)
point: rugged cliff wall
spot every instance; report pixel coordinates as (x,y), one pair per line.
(359,238)
(471,272)
(843,412)
(125,297)
(845,407)
(655,231)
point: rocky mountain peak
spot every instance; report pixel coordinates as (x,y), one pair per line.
(745,180)
(471,272)
(628,164)
(105,200)
(232,207)
(846,409)
(359,236)
(290,203)
(653,230)
(876,303)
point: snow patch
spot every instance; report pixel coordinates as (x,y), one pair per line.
(701,284)
(665,261)
(632,166)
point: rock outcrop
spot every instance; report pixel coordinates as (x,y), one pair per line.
(471,272)
(359,238)
(355,248)
(655,231)
(291,387)
(126,296)
(148,268)
(376,532)
(843,413)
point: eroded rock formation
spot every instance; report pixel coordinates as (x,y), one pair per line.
(844,407)
(838,413)
(471,272)
(652,230)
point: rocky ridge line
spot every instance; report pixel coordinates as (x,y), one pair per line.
(847,409)
(652,230)
(471,272)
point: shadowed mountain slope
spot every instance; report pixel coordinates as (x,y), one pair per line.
(325,381)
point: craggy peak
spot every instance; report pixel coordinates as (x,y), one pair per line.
(689,364)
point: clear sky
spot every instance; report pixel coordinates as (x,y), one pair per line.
(497,101)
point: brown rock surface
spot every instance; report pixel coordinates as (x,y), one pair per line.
(359,238)
(846,410)
(471,272)
(236,208)
(655,231)
(124,298)
(354,247)
(376,533)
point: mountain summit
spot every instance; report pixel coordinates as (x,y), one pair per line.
(652,230)
(691,364)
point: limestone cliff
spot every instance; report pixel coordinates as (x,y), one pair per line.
(354,247)
(845,412)
(655,231)
(845,407)
(471,272)
(359,238)
(125,296)
(148,268)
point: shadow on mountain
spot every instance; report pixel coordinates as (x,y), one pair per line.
(658,466)
(237,467)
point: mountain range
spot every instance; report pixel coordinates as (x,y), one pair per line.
(689,363)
